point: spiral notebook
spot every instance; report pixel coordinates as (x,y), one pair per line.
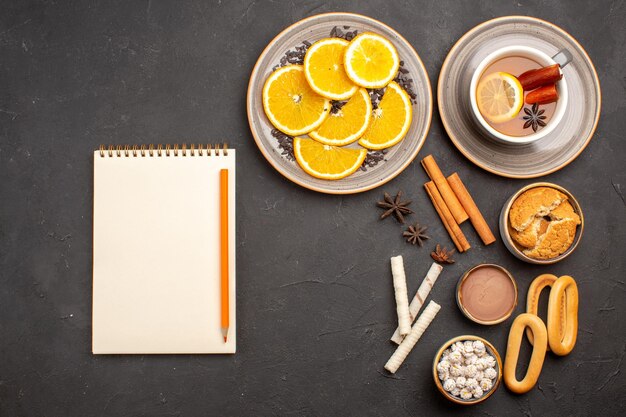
(156,249)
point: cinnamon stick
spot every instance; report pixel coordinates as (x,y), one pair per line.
(543,95)
(475,216)
(453,204)
(455,232)
(539,77)
(429,191)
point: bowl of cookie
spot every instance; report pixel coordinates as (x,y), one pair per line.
(542,223)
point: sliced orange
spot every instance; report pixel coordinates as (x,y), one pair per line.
(348,124)
(290,104)
(323,68)
(371,60)
(325,161)
(390,121)
(500,97)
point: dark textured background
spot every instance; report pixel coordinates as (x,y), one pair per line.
(315,303)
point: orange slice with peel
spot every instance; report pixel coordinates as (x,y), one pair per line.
(323,68)
(371,60)
(290,104)
(390,122)
(347,124)
(325,161)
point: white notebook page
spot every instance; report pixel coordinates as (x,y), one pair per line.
(156,254)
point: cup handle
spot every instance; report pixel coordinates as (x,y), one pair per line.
(563,57)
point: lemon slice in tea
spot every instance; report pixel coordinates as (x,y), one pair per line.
(500,97)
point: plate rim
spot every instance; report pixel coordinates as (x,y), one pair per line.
(312,187)
(468,155)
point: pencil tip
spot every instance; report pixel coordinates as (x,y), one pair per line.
(225,339)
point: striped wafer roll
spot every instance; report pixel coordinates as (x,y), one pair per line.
(420,296)
(402,298)
(411,339)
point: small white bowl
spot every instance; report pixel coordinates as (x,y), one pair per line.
(537,56)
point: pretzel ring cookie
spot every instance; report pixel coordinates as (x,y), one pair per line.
(512,352)
(532,303)
(563,343)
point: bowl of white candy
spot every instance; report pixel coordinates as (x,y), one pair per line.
(467,369)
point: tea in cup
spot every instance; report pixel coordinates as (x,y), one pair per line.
(518,94)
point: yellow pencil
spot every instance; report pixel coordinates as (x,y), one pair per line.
(224,251)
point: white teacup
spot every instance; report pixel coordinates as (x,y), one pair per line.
(562,58)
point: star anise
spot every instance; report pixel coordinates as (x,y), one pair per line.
(395,206)
(442,255)
(534,117)
(415,234)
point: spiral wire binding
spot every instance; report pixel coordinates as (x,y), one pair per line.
(163,150)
